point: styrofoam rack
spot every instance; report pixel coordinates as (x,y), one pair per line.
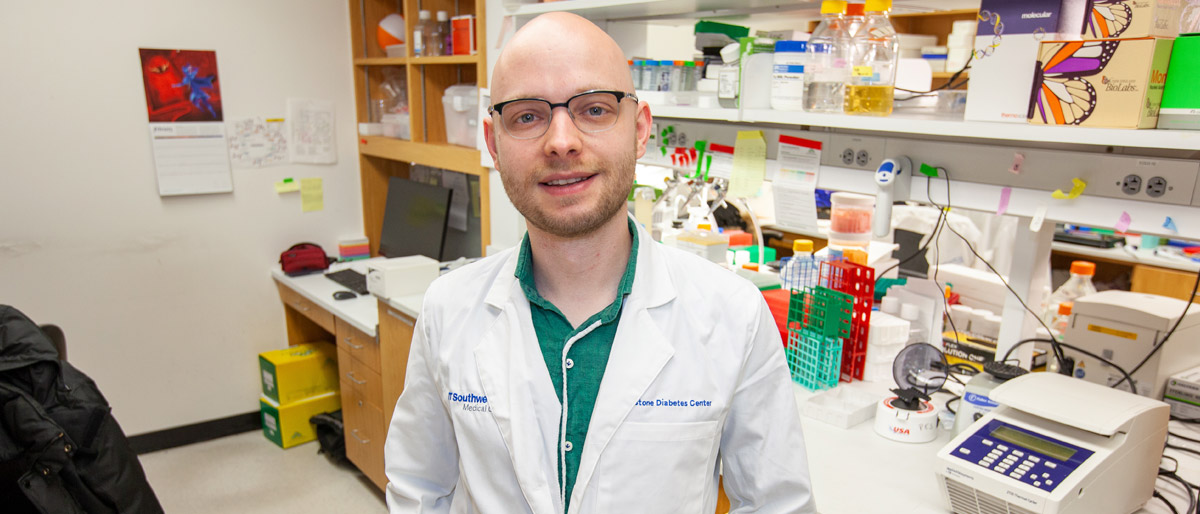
(842,406)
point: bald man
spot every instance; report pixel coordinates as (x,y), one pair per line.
(590,370)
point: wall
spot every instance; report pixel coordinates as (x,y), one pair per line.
(165,300)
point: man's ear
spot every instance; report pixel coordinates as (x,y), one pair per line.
(645,124)
(489,137)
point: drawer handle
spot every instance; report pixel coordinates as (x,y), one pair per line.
(350,341)
(350,375)
(399,317)
(354,433)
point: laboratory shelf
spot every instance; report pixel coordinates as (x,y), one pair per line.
(445,59)
(952,125)
(380,61)
(438,155)
(694,9)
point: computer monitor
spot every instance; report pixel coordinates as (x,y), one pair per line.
(414,219)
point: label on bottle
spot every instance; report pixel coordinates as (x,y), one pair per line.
(863,71)
(727,87)
(418,43)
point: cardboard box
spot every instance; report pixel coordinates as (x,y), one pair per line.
(1183,393)
(1181,97)
(1003,68)
(287,425)
(1115,83)
(1132,19)
(969,350)
(299,372)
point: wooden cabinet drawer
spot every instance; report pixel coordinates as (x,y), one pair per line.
(358,344)
(359,377)
(395,339)
(365,433)
(310,310)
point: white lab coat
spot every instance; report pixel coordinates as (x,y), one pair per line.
(477,426)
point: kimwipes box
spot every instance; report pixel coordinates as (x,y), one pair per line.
(1006,50)
(1132,19)
(1115,83)
(298,372)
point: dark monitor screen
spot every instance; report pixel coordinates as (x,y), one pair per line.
(414,219)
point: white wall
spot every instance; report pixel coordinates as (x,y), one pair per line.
(166,301)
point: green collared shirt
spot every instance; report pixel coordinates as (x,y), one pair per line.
(586,358)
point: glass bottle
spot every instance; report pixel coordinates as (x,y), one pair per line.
(828,64)
(421,34)
(876,47)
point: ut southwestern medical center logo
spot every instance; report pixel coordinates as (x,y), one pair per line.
(470,402)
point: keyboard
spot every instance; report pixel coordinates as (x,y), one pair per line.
(349,279)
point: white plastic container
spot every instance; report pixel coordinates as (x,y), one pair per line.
(787,76)
(842,407)
(461,105)
(850,219)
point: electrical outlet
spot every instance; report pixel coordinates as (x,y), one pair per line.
(1131,185)
(851,151)
(1157,186)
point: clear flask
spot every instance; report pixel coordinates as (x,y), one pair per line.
(876,51)
(1080,284)
(828,65)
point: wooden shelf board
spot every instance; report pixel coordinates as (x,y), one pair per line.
(446,59)
(381,61)
(440,155)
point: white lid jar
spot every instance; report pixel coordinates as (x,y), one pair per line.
(850,219)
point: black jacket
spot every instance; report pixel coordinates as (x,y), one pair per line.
(58,439)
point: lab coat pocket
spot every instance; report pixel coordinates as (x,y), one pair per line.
(657,467)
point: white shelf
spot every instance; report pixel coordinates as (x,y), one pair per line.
(902,123)
(694,9)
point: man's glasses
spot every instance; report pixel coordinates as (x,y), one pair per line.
(592,111)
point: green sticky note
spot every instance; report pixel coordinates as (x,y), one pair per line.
(928,170)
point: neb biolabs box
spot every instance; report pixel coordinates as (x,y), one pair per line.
(1132,19)
(1115,83)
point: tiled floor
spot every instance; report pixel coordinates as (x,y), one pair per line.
(248,474)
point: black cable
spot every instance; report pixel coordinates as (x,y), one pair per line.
(920,251)
(1157,347)
(1164,500)
(1185,438)
(1132,388)
(1189,489)
(1185,420)
(937,247)
(954,398)
(949,81)
(1183,449)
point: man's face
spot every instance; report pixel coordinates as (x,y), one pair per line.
(566,182)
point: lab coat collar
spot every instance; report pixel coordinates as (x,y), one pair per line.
(510,363)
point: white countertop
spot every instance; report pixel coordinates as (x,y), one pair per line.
(361,312)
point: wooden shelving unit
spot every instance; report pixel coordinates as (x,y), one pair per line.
(426,80)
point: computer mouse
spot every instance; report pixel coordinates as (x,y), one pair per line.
(344,295)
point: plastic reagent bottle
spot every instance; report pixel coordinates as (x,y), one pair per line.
(871,88)
(828,65)
(445,40)
(800,271)
(1063,319)
(855,17)
(422,34)
(1080,284)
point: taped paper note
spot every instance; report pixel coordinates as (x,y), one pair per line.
(928,171)
(312,195)
(1018,160)
(1035,225)
(796,181)
(287,185)
(1005,194)
(1169,224)
(749,164)
(1077,188)
(719,163)
(1123,222)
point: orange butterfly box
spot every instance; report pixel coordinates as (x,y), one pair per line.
(1107,19)
(1115,83)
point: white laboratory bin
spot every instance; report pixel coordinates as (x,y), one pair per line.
(461,105)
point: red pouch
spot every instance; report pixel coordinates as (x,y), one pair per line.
(304,258)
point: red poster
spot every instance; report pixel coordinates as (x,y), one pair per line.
(181,85)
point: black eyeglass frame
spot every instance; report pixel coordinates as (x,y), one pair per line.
(620,95)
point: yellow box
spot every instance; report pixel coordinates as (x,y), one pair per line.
(299,371)
(287,425)
(1132,19)
(1116,83)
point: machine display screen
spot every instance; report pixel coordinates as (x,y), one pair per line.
(1032,442)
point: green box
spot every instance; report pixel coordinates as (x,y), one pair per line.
(1181,97)
(287,425)
(753,251)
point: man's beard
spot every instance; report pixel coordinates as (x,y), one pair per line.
(617,174)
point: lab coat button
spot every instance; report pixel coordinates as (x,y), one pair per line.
(570,364)
(567,446)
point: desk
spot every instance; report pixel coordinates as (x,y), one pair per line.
(368,332)
(855,471)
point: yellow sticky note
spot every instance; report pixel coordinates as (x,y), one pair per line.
(287,185)
(312,195)
(749,164)
(1076,190)
(863,71)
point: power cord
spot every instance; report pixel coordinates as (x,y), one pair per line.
(1073,348)
(1164,500)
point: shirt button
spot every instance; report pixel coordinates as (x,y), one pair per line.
(567,446)
(570,364)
